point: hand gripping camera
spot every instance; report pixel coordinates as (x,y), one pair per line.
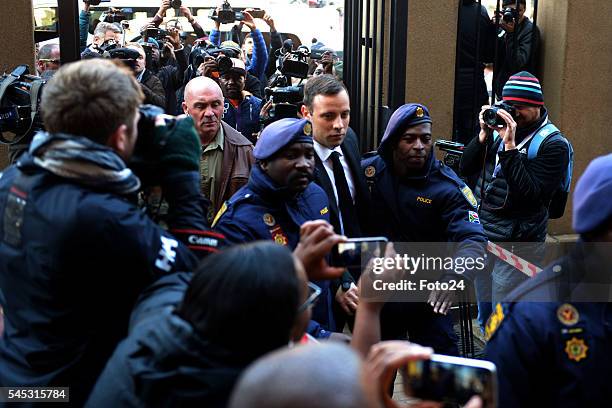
(491,118)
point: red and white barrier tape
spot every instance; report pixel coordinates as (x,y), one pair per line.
(522,265)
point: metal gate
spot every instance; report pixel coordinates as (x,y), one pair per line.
(369,41)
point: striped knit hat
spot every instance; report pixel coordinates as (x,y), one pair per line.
(523,89)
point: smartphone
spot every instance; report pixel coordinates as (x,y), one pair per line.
(257,13)
(451,380)
(355,252)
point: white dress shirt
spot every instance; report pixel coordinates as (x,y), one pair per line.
(324,154)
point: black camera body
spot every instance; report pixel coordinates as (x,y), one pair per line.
(176,4)
(285,101)
(491,118)
(295,64)
(158,33)
(126,55)
(19,105)
(453,151)
(113,16)
(509,14)
(198,56)
(226,15)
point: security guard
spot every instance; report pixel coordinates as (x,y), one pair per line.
(416,198)
(279,197)
(552,340)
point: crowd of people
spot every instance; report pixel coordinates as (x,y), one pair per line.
(156,260)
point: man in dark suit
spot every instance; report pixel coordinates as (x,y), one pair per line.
(337,169)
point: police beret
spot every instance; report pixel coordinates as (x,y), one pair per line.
(280,134)
(410,114)
(592,204)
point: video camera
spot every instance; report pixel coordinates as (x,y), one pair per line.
(154,32)
(20,95)
(509,14)
(113,15)
(295,63)
(226,15)
(285,102)
(126,55)
(453,153)
(199,54)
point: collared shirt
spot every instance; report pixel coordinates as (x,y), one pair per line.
(324,154)
(211,167)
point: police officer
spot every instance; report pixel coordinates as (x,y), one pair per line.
(279,197)
(560,321)
(416,198)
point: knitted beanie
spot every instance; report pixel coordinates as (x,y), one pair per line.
(523,89)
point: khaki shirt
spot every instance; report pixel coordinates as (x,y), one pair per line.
(210,168)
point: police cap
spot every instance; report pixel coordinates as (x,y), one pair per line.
(281,134)
(410,114)
(592,203)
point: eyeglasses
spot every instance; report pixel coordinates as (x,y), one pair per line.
(53,61)
(313,295)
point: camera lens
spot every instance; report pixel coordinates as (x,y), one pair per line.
(489,116)
(225,64)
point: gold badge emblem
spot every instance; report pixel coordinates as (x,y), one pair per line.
(576,349)
(268,219)
(279,236)
(567,314)
(419,112)
(370,171)
(308,129)
(494,321)
(324,211)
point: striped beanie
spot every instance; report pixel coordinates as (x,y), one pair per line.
(523,89)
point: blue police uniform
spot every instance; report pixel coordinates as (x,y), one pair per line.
(263,210)
(432,206)
(552,337)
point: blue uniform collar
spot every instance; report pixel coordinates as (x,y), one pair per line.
(264,186)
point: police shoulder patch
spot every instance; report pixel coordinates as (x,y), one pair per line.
(221,211)
(494,321)
(469,196)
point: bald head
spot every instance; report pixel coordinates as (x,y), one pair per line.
(291,377)
(204,103)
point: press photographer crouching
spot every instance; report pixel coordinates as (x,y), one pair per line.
(75,252)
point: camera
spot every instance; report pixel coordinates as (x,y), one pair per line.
(285,102)
(157,33)
(126,55)
(509,14)
(199,54)
(20,95)
(453,151)
(176,4)
(491,117)
(113,15)
(295,64)
(95,2)
(226,15)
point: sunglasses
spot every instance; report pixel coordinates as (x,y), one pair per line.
(313,294)
(53,61)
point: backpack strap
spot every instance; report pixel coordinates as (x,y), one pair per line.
(542,134)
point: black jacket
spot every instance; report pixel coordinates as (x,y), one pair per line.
(515,205)
(153,89)
(171,77)
(350,148)
(513,58)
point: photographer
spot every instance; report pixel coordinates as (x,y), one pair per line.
(258,59)
(48,60)
(169,66)
(106,36)
(242,110)
(166,5)
(518,43)
(151,85)
(75,251)
(518,188)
